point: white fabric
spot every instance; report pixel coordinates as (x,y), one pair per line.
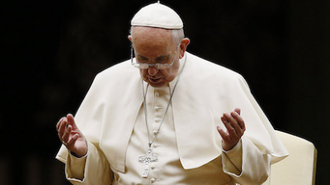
(108,114)
(167,170)
(299,167)
(157,15)
(164,146)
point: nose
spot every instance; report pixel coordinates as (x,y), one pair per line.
(152,71)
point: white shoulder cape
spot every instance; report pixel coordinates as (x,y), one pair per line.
(204,92)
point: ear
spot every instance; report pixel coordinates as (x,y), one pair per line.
(130,38)
(183,46)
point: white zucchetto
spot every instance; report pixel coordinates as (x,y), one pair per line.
(157,15)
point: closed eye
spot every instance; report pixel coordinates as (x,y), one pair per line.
(162,59)
(142,59)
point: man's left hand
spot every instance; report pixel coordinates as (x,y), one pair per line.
(235,129)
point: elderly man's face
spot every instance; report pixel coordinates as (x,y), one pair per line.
(153,45)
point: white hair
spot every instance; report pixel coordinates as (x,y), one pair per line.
(177,35)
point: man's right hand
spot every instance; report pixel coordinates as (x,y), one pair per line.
(71,136)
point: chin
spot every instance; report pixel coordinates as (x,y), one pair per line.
(157,84)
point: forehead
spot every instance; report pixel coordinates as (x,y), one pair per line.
(149,35)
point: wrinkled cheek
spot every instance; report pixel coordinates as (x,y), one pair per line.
(169,76)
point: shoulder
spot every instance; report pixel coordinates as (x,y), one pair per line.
(119,73)
(115,80)
(206,70)
(121,69)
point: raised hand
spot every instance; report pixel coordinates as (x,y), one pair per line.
(235,129)
(71,137)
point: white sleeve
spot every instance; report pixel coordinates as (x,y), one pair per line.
(90,169)
(246,164)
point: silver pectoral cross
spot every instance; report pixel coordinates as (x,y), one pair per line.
(147,158)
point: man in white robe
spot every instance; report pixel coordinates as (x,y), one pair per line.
(177,120)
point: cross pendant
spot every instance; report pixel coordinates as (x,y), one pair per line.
(147,158)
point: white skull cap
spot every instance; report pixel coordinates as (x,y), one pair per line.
(159,16)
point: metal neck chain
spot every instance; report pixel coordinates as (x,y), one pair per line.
(150,142)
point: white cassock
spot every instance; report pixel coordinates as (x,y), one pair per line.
(188,146)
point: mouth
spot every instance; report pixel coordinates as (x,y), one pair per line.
(154,80)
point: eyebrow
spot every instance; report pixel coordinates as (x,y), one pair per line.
(160,58)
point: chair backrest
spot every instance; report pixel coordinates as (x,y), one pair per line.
(299,167)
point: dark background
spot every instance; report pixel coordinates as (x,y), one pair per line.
(51,51)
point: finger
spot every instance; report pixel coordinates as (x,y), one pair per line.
(235,124)
(71,121)
(58,124)
(238,110)
(231,120)
(223,133)
(66,135)
(62,126)
(238,119)
(73,139)
(229,126)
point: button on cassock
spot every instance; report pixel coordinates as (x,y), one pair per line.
(157,119)
(157,107)
(152,180)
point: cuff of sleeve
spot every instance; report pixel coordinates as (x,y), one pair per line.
(75,166)
(233,152)
(232,160)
